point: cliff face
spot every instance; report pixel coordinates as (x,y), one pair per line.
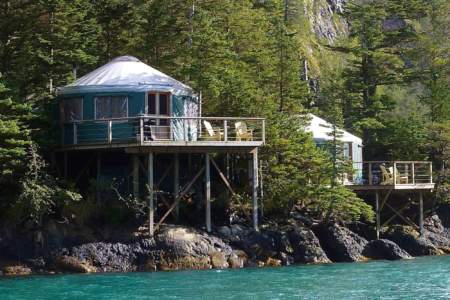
(324,19)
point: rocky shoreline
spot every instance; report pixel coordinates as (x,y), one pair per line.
(236,246)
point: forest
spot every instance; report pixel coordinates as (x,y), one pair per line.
(378,68)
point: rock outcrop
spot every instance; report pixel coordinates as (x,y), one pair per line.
(16,270)
(409,239)
(306,247)
(340,244)
(384,249)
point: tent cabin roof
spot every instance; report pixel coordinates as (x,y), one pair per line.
(126,74)
(322,129)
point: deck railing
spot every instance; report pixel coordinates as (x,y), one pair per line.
(393,173)
(148,128)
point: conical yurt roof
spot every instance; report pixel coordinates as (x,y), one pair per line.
(126,74)
(322,129)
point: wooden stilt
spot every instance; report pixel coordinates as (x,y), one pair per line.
(208,192)
(255,184)
(135,176)
(176,183)
(150,194)
(421,214)
(377,208)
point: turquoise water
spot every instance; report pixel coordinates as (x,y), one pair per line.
(421,278)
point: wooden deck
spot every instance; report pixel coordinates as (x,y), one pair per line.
(391,175)
(165,134)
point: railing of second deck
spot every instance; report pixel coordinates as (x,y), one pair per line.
(391,173)
(148,128)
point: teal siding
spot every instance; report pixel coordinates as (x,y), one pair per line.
(96,131)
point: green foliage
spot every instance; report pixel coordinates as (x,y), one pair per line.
(40,194)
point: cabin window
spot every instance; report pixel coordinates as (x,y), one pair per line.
(348,150)
(111,107)
(71,109)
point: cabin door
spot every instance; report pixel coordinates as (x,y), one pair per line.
(158,104)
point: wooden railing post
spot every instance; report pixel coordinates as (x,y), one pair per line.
(370,173)
(109,131)
(431,172)
(394,172)
(225,130)
(141,130)
(75,134)
(413,173)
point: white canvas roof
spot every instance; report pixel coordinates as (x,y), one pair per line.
(126,73)
(321,130)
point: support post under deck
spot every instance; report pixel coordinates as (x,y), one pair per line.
(255,183)
(176,182)
(377,208)
(208,192)
(421,213)
(151,194)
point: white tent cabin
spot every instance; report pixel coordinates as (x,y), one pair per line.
(321,131)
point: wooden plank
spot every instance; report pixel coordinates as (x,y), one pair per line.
(179,197)
(208,192)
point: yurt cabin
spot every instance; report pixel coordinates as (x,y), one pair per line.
(321,131)
(118,91)
(131,123)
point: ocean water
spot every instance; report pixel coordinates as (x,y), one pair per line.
(421,278)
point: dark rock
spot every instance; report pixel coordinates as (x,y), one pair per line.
(306,246)
(384,249)
(409,239)
(16,271)
(340,244)
(286,259)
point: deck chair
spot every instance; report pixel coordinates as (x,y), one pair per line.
(399,178)
(388,178)
(242,132)
(215,134)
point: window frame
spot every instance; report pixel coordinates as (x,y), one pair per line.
(109,96)
(157,104)
(62,112)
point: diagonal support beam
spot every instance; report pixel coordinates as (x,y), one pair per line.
(179,197)
(406,219)
(393,217)
(222,176)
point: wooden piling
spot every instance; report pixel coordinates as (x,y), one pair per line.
(255,184)
(151,194)
(208,192)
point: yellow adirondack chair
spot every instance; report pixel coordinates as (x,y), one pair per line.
(387,176)
(242,132)
(214,134)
